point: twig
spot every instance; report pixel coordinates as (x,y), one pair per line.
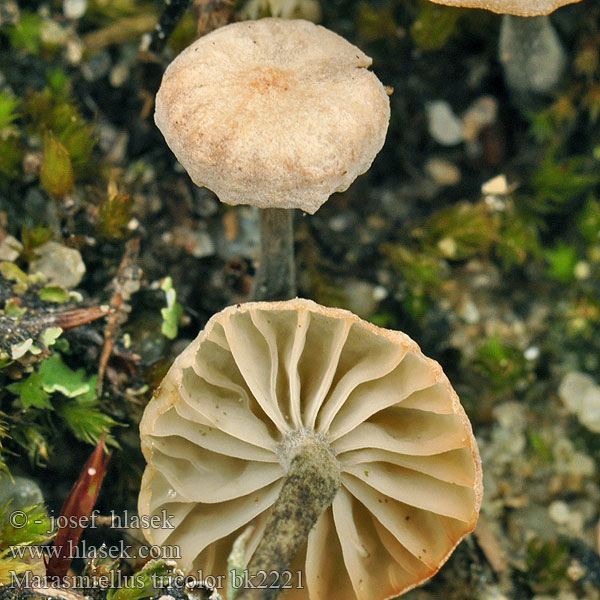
(125,284)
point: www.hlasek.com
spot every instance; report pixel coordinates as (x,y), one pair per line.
(261,580)
(88,552)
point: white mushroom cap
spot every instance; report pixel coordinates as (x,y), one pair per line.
(274,113)
(522,8)
(223,427)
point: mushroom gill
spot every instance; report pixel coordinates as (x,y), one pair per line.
(240,403)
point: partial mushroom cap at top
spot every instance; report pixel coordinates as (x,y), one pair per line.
(521,8)
(222,430)
(275,113)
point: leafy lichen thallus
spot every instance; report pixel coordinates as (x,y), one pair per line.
(274,113)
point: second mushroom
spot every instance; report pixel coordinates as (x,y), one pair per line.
(278,114)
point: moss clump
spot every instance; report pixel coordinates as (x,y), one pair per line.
(434,25)
(501,364)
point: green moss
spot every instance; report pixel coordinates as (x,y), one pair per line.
(374,23)
(539,445)
(54,386)
(36,529)
(112,10)
(588,220)
(517,242)
(11,155)
(547,563)
(51,111)
(56,176)
(423,273)
(561,262)
(114,214)
(557,183)
(501,364)
(434,25)
(184,34)
(26,35)
(8,109)
(461,231)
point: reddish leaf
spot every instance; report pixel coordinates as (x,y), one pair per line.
(79,504)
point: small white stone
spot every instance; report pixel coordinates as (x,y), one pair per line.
(532,353)
(559,512)
(589,414)
(442,171)
(10,248)
(482,113)
(448,247)
(470,313)
(59,265)
(572,389)
(497,186)
(380,293)
(582,270)
(74,9)
(444,126)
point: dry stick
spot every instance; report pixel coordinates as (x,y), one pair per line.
(125,284)
(276,275)
(309,488)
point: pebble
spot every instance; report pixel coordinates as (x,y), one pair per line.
(246,242)
(10,248)
(97,66)
(59,264)
(53,34)
(444,126)
(74,9)
(362,297)
(205,203)
(482,113)
(74,51)
(497,186)
(561,514)
(442,171)
(119,74)
(582,270)
(532,353)
(21,491)
(581,396)
(197,243)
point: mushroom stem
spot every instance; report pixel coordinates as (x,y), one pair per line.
(276,275)
(311,484)
(531,54)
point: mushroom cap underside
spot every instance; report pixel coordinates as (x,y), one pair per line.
(273,113)
(521,8)
(221,429)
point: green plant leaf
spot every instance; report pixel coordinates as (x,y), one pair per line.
(172,313)
(31,392)
(58,377)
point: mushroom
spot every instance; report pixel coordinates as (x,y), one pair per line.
(521,8)
(274,113)
(305,420)
(530,52)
